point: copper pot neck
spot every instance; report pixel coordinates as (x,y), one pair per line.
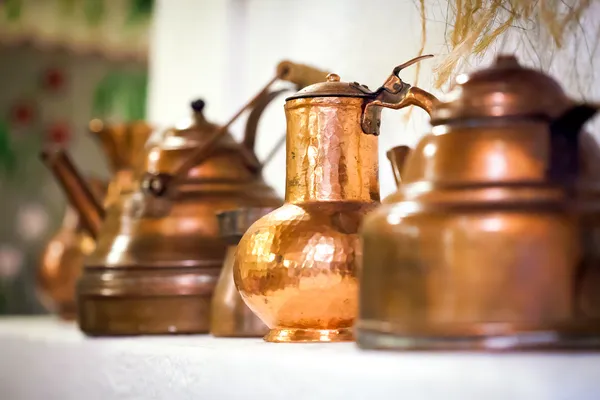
(329,158)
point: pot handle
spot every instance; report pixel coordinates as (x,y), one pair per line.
(395,94)
(252,126)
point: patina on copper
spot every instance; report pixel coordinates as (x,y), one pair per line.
(155,271)
(61,261)
(480,248)
(230,317)
(296,267)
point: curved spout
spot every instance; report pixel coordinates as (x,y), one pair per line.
(91,212)
(397,156)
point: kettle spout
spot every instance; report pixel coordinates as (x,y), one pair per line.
(397,157)
(91,212)
(564,141)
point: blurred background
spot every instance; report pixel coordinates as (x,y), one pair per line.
(64,62)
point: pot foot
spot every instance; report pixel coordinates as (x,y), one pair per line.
(298,335)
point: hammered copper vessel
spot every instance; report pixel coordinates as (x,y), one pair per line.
(156,271)
(296,267)
(230,317)
(480,248)
(61,261)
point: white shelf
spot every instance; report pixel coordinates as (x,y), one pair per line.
(42,358)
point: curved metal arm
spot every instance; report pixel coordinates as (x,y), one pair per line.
(395,94)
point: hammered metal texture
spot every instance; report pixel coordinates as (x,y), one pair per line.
(296,267)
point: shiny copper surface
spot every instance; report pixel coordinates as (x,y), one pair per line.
(159,252)
(61,261)
(296,268)
(60,267)
(230,317)
(480,248)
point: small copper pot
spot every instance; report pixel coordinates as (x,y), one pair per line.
(230,317)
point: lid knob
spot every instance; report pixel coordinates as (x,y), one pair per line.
(198,105)
(507,61)
(333,78)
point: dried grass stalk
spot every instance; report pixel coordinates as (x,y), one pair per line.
(478,24)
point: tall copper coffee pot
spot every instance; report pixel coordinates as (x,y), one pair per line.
(296,267)
(157,271)
(480,247)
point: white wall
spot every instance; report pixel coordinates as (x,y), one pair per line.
(225,50)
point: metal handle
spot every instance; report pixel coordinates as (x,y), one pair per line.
(299,74)
(395,94)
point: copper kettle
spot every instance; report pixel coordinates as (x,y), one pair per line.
(158,271)
(296,267)
(61,262)
(480,247)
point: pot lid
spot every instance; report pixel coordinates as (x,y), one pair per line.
(333,87)
(192,133)
(506,89)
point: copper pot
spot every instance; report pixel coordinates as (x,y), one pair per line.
(296,267)
(230,317)
(159,254)
(480,247)
(61,261)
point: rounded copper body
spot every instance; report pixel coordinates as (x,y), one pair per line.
(60,267)
(296,267)
(480,248)
(230,316)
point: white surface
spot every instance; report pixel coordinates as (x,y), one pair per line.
(42,358)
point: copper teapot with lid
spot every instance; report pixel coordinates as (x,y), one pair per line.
(296,267)
(158,271)
(480,247)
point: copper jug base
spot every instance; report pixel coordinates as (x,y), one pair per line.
(298,335)
(517,341)
(145,300)
(121,316)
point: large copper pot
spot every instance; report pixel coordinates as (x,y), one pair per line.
(155,271)
(480,247)
(296,267)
